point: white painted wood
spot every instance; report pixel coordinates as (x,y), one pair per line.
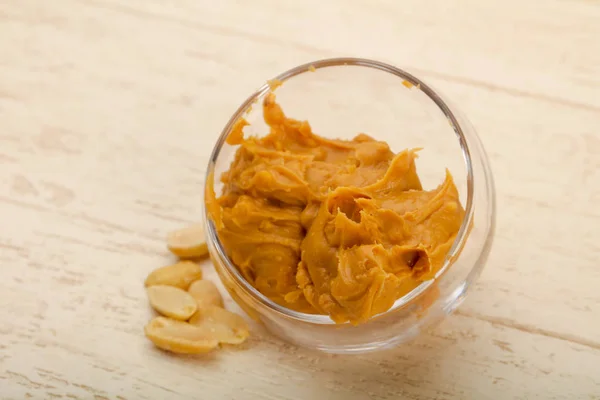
(108,109)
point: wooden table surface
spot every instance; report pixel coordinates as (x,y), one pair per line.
(108,111)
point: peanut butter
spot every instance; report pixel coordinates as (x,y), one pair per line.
(335,227)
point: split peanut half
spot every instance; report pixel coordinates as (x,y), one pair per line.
(206,294)
(189,242)
(180,337)
(181,275)
(172,302)
(226,326)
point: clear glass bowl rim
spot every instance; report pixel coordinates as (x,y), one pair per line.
(310,67)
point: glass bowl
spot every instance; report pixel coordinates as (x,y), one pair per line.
(340,98)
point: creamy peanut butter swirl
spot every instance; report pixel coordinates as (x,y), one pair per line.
(335,227)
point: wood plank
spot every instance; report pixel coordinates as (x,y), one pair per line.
(108,110)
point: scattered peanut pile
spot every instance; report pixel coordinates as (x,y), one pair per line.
(193,318)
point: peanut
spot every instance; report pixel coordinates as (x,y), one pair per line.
(206,294)
(225,326)
(189,242)
(172,301)
(179,337)
(181,275)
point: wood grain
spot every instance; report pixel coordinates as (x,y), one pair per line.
(108,109)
